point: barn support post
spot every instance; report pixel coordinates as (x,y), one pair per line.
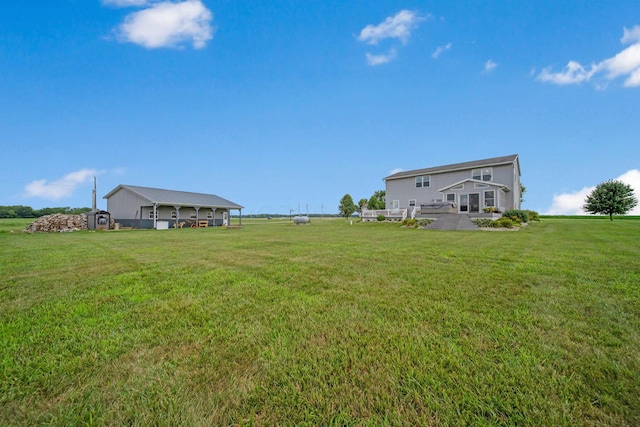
(177,208)
(155,215)
(197,208)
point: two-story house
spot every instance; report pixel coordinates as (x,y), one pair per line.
(464,188)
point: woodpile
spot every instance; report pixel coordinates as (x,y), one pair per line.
(58,223)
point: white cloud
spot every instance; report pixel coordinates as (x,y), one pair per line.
(625,63)
(440,50)
(489,66)
(374,60)
(61,188)
(398,26)
(630,35)
(125,3)
(571,203)
(572,73)
(168,24)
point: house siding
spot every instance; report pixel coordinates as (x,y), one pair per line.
(404,189)
(126,205)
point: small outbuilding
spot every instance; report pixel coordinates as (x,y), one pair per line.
(98,220)
(143,207)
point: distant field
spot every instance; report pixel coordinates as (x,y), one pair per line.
(322,324)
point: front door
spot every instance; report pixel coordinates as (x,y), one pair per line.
(474,203)
(469,203)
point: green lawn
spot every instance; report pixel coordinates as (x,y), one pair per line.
(322,324)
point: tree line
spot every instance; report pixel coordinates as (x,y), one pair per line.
(20,211)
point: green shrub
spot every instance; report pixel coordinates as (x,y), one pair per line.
(424,222)
(410,222)
(381,218)
(533,215)
(491,209)
(483,222)
(516,215)
(504,222)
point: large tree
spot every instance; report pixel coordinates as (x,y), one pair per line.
(377,201)
(611,198)
(347,207)
(362,204)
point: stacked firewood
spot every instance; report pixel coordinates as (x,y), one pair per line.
(58,223)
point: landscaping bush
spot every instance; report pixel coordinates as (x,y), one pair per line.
(533,215)
(410,222)
(381,218)
(483,222)
(516,215)
(491,209)
(424,222)
(504,222)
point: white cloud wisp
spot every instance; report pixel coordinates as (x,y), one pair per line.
(61,188)
(571,203)
(489,66)
(440,50)
(397,27)
(625,63)
(380,59)
(168,24)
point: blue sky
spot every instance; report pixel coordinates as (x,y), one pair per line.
(279,104)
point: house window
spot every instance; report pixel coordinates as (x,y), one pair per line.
(423,181)
(151,214)
(210,215)
(484,174)
(464,203)
(478,185)
(489,199)
(192,214)
(458,187)
(451,198)
(174,214)
(412,203)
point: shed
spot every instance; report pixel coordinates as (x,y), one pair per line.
(143,207)
(98,220)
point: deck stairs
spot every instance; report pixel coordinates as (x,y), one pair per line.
(453,222)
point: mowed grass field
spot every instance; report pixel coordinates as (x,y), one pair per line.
(322,324)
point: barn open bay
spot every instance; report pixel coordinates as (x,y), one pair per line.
(325,323)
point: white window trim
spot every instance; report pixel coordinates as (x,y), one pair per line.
(484,201)
(414,203)
(421,179)
(482,175)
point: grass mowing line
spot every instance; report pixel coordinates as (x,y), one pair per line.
(324,323)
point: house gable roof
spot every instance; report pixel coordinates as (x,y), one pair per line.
(495,161)
(176,198)
(489,183)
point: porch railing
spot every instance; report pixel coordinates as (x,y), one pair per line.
(387,213)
